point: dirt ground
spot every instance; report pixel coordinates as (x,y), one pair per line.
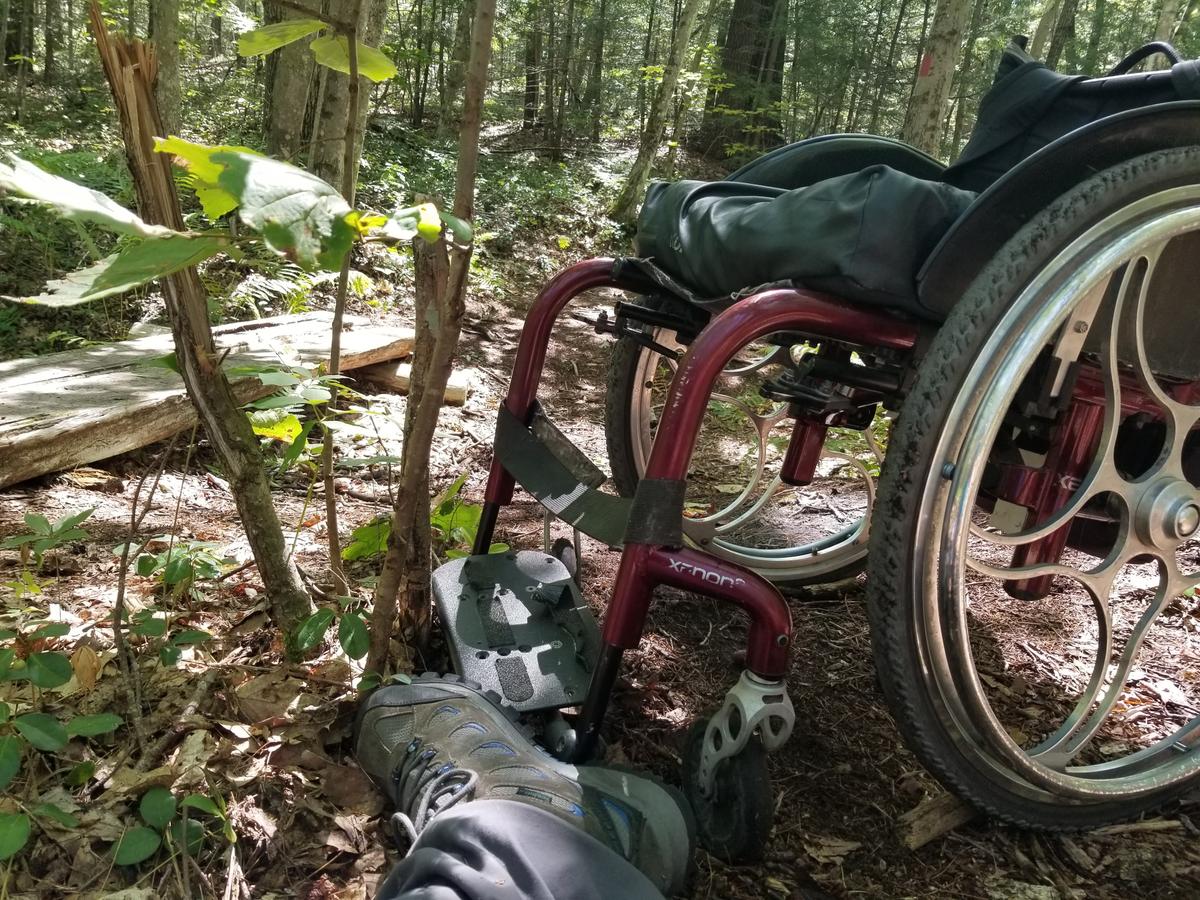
(274,739)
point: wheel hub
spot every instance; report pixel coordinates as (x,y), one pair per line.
(1168,513)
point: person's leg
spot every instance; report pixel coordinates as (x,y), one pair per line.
(504,850)
(439,746)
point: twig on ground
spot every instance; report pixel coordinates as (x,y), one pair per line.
(181,727)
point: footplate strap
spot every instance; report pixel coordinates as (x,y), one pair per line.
(561,485)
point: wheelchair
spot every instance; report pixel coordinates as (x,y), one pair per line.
(1042,395)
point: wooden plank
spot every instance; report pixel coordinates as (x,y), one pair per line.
(80,406)
(396,376)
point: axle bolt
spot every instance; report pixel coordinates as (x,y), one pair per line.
(1187,521)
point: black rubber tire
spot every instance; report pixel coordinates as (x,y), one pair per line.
(735,823)
(894,572)
(618,397)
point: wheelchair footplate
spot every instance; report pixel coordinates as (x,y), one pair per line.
(517,624)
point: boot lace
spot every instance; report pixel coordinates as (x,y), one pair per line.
(425,790)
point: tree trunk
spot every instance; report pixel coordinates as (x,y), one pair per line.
(885,71)
(592,103)
(1064,31)
(1092,60)
(448,114)
(26,52)
(330,149)
(964,77)
(753,78)
(51,38)
(131,18)
(289,79)
(406,563)
(564,68)
(129,66)
(923,125)
(166,46)
(549,67)
(1045,28)
(641,95)
(626,206)
(685,99)
(533,63)
(1168,20)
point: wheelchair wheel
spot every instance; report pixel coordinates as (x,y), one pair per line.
(1037,655)
(737,507)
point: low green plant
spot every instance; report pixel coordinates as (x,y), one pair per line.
(169,821)
(44,535)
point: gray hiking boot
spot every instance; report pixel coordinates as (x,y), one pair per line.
(440,740)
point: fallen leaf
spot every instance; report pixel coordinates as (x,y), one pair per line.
(349,788)
(86,663)
(348,836)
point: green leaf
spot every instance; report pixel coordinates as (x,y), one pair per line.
(407,223)
(81,774)
(313,628)
(58,814)
(7,656)
(191,636)
(157,807)
(38,524)
(169,655)
(70,200)
(333,51)
(286,428)
(298,215)
(147,564)
(52,630)
(203,172)
(43,731)
(352,635)
(202,803)
(134,266)
(369,681)
(75,519)
(14,833)
(10,759)
(177,570)
(264,40)
(368,540)
(48,670)
(5,711)
(188,835)
(150,626)
(136,845)
(90,726)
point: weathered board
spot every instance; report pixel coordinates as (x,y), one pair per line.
(80,406)
(395,376)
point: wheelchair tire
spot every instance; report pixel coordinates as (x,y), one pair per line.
(917,606)
(625,379)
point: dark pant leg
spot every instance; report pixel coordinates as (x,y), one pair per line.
(507,850)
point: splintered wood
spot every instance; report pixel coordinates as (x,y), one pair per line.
(80,406)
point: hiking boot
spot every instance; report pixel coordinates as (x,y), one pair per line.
(441,740)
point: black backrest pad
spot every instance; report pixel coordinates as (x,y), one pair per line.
(1037,181)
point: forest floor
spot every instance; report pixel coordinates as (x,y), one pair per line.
(273,741)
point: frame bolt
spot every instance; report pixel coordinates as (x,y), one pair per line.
(782,640)
(1081,327)
(948,470)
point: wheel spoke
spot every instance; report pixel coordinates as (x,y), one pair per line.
(1107,695)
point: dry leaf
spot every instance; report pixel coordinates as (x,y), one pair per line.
(86,664)
(348,788)
(348,836)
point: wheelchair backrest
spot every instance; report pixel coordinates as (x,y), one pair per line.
(1029,106)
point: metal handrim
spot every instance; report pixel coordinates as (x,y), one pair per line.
(1123,242)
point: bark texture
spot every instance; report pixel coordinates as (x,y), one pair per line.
(130,66)
(927,110)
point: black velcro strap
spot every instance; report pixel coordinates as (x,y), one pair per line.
(657,514)
(1185,77)
(539,471)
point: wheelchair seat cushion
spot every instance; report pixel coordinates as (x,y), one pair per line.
(861,235)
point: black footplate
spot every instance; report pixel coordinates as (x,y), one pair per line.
(517,624)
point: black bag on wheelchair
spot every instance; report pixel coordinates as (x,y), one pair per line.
(857,215)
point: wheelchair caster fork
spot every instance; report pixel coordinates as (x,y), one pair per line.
(725,769)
